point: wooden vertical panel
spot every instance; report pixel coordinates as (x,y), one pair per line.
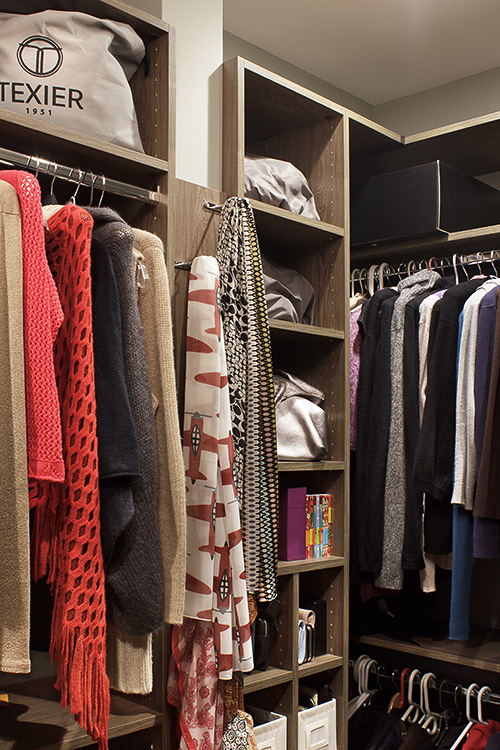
(152,98)
(195,232)
(343,678)
(233,149)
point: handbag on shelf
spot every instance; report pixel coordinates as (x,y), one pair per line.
(71,69)
(301,422)
(264,629)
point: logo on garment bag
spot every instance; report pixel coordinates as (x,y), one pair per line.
(40,56)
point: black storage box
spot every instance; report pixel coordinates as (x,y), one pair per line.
(421,201)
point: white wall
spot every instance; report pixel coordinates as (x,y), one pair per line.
(443,105)
(198,57)
(234,46)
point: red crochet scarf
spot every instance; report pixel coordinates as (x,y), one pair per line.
(66,541)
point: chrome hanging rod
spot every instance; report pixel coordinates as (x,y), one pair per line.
(78,176)
(437,264)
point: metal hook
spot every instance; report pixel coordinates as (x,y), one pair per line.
(103,190)
(53,177)
(30,167)
(411,267)
(212,206)
(73,197)
(94,178)
(400,269)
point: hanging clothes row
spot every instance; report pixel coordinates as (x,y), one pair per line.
(100,470)
(423,395)
(396,711)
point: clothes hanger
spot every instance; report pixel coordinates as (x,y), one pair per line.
(487,690)
(470,720)
(80,177)
(455,268)
(371,279)
(412,267)
(103,190)
(354,275)
(405,674)
(381,274)
(362,669)
(413,708)
(430,721)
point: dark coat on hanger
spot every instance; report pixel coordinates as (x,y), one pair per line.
(374,411)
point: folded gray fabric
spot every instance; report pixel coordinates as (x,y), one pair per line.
(301,423)
(280,184)
(289,295)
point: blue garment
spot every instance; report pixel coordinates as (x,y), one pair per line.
(461,573)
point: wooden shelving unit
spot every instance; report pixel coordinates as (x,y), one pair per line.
(33,718)
(267,115)
(481,651)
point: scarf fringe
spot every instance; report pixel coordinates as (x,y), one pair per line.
(81,671)
(83,682)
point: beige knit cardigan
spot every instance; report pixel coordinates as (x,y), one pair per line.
(130,658)
(14,511)
(154,309)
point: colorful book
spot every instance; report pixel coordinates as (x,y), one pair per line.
(318,525)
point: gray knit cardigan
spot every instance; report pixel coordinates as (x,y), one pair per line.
(134,581)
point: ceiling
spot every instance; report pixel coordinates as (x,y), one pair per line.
(378,50)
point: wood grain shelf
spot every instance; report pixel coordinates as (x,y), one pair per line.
(292,228)
(311,466)
(287,567)
(285,328)
(260,680)
(468,240)
(269,116)
(320,664)
(20,133)
(34,719)
(481,651)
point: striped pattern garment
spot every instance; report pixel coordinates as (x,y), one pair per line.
(250,373)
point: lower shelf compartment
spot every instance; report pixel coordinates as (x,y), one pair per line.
(481,651)
(33,718)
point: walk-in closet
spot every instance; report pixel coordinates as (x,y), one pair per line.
(248,377)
